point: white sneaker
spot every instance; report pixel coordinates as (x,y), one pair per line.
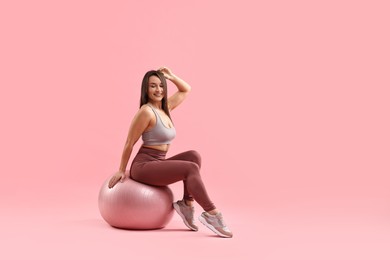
(216,224)
(186,213)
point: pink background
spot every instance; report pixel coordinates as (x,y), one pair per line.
(289,109)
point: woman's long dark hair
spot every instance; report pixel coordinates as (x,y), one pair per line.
(145,86)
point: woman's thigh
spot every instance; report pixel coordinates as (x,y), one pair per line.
(191,156)
(162,173)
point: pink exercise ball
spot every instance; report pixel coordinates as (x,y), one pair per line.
(134,205)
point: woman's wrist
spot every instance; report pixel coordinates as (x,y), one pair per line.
(172,77)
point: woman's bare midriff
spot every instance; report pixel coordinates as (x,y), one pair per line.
(162,147)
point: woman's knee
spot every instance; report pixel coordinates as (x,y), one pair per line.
(193,169)
(195,157)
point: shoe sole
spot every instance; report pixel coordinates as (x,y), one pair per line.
(177,208)
(211,227)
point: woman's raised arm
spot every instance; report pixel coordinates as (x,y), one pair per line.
(183,88)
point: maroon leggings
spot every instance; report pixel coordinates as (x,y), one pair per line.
(150,167)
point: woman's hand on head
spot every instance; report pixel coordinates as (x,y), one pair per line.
(168,74)
(118,176)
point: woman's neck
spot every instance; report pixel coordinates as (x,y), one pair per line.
(156,105)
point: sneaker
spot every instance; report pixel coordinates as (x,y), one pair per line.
(186,213)
(216,224)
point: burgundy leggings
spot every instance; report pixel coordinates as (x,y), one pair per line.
(150,167)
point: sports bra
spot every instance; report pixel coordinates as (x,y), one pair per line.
(159,134)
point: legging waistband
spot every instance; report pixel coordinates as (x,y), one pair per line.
(152,152)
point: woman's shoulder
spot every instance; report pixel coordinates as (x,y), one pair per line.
(145,110)
(144,113)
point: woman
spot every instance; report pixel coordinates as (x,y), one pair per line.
(153,122)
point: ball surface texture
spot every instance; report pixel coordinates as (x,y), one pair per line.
(134,205)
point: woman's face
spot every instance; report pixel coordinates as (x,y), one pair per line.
(155,89)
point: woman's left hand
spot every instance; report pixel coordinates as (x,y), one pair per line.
(117,177)
(167,73)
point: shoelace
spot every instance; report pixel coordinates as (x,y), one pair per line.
(192,214)
(221,221)
(191,217)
